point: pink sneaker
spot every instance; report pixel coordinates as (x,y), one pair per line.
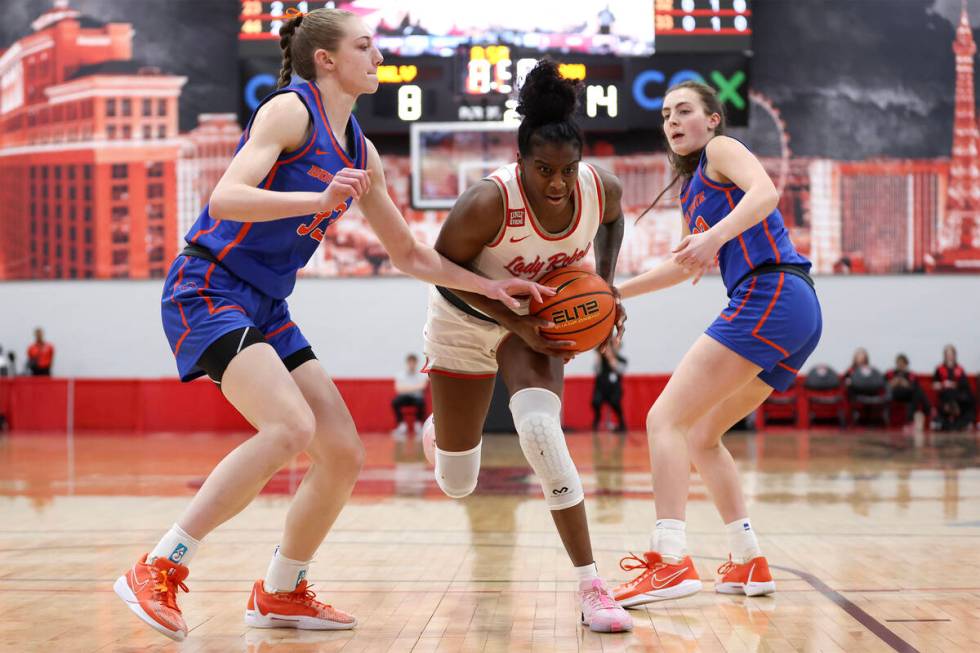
(599,611)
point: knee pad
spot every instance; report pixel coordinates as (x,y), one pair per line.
(457,471)
(537,416)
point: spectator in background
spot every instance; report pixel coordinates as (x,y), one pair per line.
(610,367)
(859,372)
(957,408)
(409,391)
(865,385)
(904,388)
(40,355)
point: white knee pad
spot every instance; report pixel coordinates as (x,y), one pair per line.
(537,416)
(457,471)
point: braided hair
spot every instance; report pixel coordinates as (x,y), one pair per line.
(302,35)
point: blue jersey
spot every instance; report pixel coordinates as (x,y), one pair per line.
(268,255)
(706,202)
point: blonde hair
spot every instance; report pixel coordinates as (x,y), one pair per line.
(304,34)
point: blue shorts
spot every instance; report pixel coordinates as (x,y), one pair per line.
(774,321)
(203,301)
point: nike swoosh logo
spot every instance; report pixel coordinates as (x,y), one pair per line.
(138,585)
(558,289)
(749,579)
(321,152)
(664,581)
(517,240)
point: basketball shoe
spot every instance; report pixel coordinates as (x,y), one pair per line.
(150,591)
(658,581)
(296,609)
(599,611)
(429,439)
(751,578)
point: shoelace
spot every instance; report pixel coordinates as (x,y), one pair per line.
(167,588)
(633,562)
(599,599)
(727,567)
(304,594)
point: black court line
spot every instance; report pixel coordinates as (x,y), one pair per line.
(879,629)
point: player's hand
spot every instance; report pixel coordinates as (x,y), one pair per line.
(697,253)
(616,337)
(349,183)
(528,328)
(511,291)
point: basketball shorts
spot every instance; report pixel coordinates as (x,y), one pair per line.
(774,321)
(457,344)
(203,301)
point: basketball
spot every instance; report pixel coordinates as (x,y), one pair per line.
(583,308)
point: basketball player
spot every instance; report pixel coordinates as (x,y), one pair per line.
(523,221)
(301,162)
(758,343)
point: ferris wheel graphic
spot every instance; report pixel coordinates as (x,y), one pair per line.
(777,129)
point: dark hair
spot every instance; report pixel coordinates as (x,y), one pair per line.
(684,166)
(547,102)
(302,35)
(903,358)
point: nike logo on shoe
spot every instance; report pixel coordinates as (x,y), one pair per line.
(658,583)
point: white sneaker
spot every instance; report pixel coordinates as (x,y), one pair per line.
(429,439)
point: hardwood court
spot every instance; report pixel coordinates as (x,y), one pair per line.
(874,540)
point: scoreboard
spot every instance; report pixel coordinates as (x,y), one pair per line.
(479,81)
(702,25)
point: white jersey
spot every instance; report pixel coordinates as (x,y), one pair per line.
(523,248)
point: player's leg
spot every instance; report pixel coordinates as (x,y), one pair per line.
(459,409)
(747,571)
(259,386)
(707,375)
(535,385)
(282,597)
(460,361)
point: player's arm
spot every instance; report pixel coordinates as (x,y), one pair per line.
(729,159)
(281,125)
(609,237)
(608,240)
(665,274)
(474,221)
(421,261)
(734,161)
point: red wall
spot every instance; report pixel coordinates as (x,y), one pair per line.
(137,405)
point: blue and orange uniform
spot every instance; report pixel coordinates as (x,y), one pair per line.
(773,317)
(238,274)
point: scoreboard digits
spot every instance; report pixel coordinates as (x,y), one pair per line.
(702,25)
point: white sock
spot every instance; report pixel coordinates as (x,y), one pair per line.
(670,540)
(176,546)
(742,541)
(283,574)
(587,572)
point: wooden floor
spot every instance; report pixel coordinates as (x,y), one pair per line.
(874,539)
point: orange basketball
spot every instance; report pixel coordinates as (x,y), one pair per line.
(583,309)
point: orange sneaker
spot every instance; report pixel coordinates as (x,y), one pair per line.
(751,578)
(296,609)
(659,580)
(150,590)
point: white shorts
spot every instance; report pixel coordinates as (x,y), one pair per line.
(458,344)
